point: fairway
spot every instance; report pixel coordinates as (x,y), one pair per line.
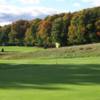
(48,78)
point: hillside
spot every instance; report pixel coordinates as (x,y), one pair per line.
(82,27)
(91,50)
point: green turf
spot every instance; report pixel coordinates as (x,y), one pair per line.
(47,78)
(20,49)
(72,79)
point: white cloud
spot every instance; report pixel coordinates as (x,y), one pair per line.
(92,2)
(4,23)
(77,4)
(30,1)
(8,15)
(2,2)
(60,0)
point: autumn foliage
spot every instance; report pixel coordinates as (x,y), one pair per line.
(66,29)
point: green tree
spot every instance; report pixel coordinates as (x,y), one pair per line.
(4,32)
(97,26)
(30,35)
(18,30)
(44,32)
(56,32)
(77,29)
(66,24)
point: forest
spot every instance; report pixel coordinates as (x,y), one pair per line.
(81,27)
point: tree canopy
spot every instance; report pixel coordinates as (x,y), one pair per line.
(66,29)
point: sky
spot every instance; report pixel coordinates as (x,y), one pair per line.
(13,10)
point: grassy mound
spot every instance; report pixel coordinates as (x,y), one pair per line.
(91,50)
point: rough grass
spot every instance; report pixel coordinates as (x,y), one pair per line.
(92,50)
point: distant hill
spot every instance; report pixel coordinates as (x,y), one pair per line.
(76,28)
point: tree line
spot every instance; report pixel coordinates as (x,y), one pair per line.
(66,29)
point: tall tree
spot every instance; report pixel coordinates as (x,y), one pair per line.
(77,29)
(44,32)
(66,24)
(97,26)
(30,35)
(4,32)
(18,30)
(56,32)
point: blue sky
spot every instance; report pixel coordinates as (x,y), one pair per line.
(12,10)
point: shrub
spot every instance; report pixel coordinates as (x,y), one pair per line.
(2,50)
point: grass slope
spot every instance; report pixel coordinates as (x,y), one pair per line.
(28,76)
(91,50)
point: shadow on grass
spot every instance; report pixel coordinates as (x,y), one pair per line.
(47,76)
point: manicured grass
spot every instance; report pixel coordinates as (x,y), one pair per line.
(85,60)
(70,73)
(42,79)
(20,49)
